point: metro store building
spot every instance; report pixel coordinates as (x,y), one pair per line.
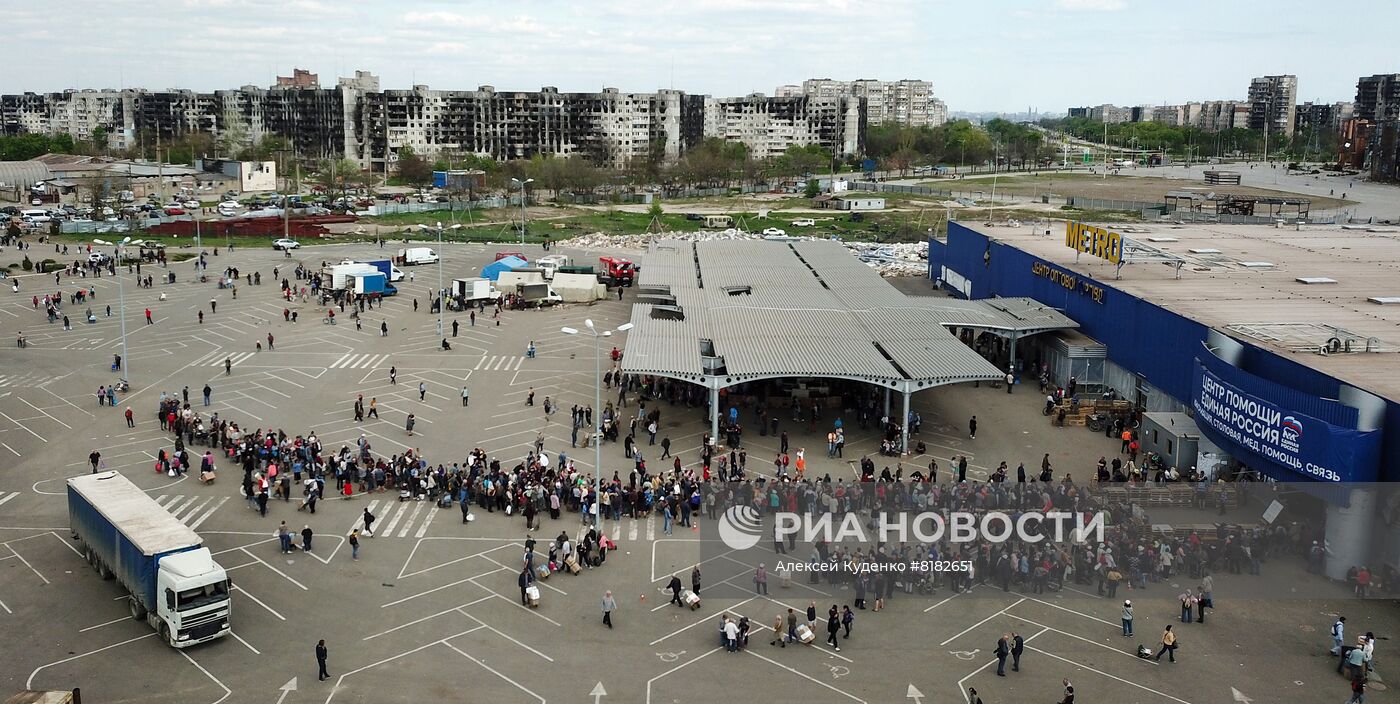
(1282,345)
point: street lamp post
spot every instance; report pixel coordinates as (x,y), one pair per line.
(995,173)
(522,185)
(441,297)
(121,301)
(598,409)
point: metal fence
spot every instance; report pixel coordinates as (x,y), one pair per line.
(453,206)
(93,227)
(896,188)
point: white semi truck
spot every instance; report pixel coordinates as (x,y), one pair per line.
(172,579)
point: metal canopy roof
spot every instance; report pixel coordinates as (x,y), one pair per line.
(723,312)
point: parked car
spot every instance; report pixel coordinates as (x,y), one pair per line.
(191,204)
(774,231)
(694,216)
(98,258)
(174,211)
(804,222)
(284,243)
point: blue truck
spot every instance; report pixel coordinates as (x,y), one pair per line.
(391,272)
(173,582)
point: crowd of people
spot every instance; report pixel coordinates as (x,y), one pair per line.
(280,465)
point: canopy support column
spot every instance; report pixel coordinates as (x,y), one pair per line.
(714,414)
(904,425)
(1012,369)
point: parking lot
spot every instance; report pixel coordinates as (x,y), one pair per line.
(431,610)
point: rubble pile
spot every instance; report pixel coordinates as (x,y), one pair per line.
(894,259)
(599,240)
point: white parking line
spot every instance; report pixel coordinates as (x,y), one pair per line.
(29,683)
(115,620)
(207,514)
(423,529)
(259,602)
(1105,674)
(494,671)
(979,623)
(989,663)
(396,602)
(391,658)
(417,508)
(394,520)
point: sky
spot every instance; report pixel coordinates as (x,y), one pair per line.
(981,55)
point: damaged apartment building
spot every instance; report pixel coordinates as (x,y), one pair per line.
(357,120)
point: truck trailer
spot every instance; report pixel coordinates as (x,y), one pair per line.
(173,582)
(366,283)
(474,289)
(392,274)
(537,294)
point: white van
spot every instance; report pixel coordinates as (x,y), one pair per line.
(36,216)
(804,222)
(417,255)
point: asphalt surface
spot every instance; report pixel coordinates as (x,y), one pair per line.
(431,613)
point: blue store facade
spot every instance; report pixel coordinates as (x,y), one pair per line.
(1281,418)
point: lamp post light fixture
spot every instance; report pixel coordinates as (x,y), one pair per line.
(522,185)
(598,408)
(121,299)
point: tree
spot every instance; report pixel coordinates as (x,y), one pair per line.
(414,169)
(814,189)
(23,147)
(188,147)
(654,218)
(233,137)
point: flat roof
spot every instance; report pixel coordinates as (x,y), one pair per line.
(805,309)
(1284,289)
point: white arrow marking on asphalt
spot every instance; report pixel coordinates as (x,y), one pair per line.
(915,694)
(290,686)
(1239,696)
(598,692)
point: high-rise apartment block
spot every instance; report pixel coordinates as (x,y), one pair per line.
(1378,97)
(769,126)
(904,102)
(1273,102)
(1110,114)
(1315,118)
(358,120)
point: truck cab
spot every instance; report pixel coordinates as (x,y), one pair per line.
(617,271)
(551,264)
(194,602)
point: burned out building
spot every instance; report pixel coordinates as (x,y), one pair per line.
(609,128)
(358,120)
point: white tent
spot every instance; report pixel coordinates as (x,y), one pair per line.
(579,288)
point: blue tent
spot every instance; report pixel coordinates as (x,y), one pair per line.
(494,270)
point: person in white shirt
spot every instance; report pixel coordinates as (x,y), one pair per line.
(731,635)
